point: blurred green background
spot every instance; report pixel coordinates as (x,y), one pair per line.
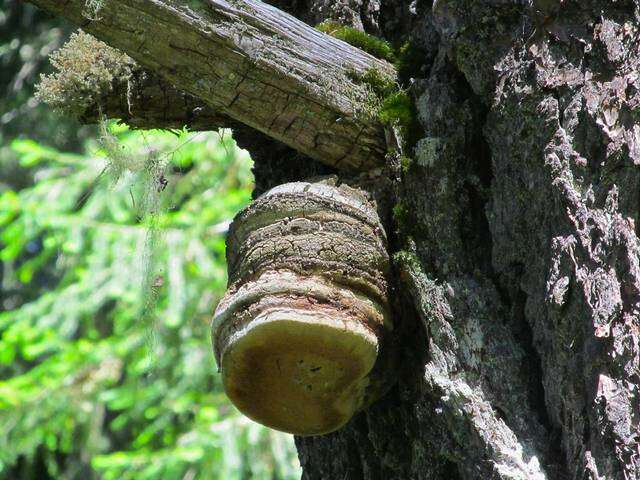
(111,264)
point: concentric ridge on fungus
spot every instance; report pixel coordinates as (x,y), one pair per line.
(298,334)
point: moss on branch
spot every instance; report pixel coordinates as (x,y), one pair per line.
(372,45)
(390,103)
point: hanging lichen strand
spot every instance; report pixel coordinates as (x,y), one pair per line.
(300,336)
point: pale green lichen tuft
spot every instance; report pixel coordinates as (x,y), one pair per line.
(86,69)
(149,169)
(92,9)
(119,159)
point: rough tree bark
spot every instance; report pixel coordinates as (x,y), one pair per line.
(514,234)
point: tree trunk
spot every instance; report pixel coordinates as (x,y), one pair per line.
(515,246)
(518,217)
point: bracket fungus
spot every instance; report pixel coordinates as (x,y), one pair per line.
(301,335)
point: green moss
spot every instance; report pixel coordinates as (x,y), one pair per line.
(379,84)
(396,107)
(370,44)
(405,163)
(408,259)
(388,102)
(409,60)
(400,213)
(399,110)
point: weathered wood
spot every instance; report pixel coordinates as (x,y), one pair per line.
(147,101)
(254,63)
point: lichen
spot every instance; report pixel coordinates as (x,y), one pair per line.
(372,45)
(92,9)
(86,68)
(150,169)
(119,160)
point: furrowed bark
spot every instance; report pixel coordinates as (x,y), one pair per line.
(254,63)
(464,396)
(563,130)
(522,208)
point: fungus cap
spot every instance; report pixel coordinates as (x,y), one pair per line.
(298,335)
